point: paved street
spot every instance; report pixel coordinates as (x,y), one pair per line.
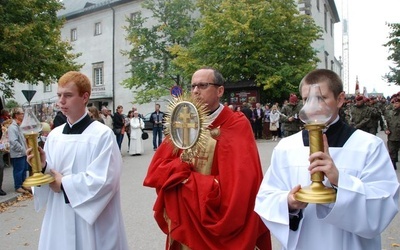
(20,224)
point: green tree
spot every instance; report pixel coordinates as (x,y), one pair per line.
(265,41)
(12,104)
(31,49)
(152,74)
(394,48)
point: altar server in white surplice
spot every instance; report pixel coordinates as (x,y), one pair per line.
(137,124)
(354,162)
(83,206)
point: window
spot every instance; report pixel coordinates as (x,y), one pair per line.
(98,74)
(134,15)
(331,27)
(74,34)
(318,5)
(47,88)
(97,29)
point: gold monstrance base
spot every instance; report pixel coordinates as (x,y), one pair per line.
(37,178)
(317,192)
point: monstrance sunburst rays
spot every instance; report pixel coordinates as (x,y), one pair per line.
(186,124)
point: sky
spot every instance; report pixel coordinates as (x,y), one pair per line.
(368,32)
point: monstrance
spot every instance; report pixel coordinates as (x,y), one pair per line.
(186,124)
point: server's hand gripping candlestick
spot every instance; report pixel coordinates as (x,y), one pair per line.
(31,128)
(315,114)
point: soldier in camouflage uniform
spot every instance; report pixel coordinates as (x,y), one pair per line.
(360,114)
(381,105)
(375,115)
(290,116)
(393,130)
(344,111)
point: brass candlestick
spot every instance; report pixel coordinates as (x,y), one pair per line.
(31,127)
(315,113)
(317,192)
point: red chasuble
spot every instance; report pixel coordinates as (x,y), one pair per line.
(213,211)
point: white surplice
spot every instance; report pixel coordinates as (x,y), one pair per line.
(91,167)
(136,145)
(367,196)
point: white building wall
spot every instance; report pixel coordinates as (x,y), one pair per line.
(124,96)
(325,46)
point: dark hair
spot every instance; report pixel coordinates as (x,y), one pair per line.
(324,75)
(218,78)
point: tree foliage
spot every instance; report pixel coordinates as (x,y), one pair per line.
(31,49)
(12,104)
(152,74)
(394,48)
(267,42)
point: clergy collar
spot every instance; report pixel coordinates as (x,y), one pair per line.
(83,116)
(79,126)
(213,115)
(332,123)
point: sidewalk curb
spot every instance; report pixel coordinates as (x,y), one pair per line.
(9,198)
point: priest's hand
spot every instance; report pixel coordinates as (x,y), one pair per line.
(56,184)
(294,204)
(323,162)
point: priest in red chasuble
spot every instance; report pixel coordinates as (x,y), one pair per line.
(208,202)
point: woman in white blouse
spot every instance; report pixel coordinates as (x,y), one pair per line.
(136,146)
(274,122)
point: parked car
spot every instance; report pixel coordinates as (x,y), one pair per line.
(147,124)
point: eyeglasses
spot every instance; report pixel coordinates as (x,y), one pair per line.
(203,85)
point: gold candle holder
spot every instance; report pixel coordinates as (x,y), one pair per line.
(317,192)
(31,127)
(37,178)
(315,114)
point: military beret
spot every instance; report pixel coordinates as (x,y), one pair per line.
(359,98)
(293,98)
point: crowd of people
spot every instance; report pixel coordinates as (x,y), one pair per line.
(219,198)
(285,118)
(365,113)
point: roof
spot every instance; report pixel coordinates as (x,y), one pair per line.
(74,8)
(335,13)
